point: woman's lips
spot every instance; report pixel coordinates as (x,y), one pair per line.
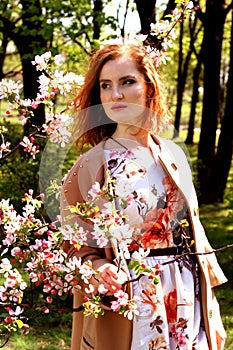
(118,107)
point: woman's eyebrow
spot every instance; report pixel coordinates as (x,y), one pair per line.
(130,76)
(121,78)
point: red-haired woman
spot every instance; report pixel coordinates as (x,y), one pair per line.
(121,108)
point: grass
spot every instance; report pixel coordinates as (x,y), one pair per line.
(54,339)
(49,334)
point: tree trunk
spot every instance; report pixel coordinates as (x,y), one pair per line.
(4,43)
(212,46)
(98,9)
(180,83)
(223,159)
(182,74)
(30,89)
(29,43)
(171,5)
(146,14)
(196,74)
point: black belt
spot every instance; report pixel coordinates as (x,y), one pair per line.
(166,251)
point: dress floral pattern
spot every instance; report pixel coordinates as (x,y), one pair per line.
(169,312)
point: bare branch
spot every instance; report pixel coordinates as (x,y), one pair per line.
(193,253)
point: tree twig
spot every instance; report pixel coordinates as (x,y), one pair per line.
(196,253)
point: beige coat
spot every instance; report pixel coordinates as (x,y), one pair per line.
(112,331)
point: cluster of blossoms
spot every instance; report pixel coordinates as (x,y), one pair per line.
(52,82)
(164,32)
(31,261)
(34,263)
(109,228)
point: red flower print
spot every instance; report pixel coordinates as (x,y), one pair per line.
(175,200)
(170,301)
(158,344)
(149,297)
(158,235)
(151,216)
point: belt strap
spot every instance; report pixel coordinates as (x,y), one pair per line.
(165,251)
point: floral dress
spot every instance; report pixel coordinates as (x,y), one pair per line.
(169,312)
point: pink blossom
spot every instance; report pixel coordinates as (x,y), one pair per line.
(5,146)
(102,289)
(115,306)
(16,251)
(90,289)
(15,312)
(41,61)
(189,5)
(8,319)
(94,191)
(9,87)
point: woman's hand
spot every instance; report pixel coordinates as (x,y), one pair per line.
(111,278)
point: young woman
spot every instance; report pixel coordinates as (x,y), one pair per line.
(121,109)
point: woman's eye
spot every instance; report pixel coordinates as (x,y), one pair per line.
(128,82)
(104,86)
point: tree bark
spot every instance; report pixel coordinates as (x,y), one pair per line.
(196,74)
(3,54)
(183,66)
(29,42)
(181,77)
(98,9)
(212,46)
(171,5)
(146,14)
(223,159)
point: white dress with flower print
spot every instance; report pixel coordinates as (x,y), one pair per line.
(169,312)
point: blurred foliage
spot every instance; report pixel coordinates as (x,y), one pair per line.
(19,172)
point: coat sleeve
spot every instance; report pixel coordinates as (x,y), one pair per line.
(216,275)
(75,187)
(183,178)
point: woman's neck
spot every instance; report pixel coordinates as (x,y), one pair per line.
(141,136)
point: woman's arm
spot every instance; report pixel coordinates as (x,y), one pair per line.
(109,274)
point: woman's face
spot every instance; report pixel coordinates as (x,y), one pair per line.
(123,91)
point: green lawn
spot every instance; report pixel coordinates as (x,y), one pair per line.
(49,333)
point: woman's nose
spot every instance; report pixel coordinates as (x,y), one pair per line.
(116,93)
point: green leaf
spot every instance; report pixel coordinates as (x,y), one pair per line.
(156,280)
(123,204)
(133,264)
(19,323)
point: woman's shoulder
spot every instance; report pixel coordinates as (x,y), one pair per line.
(89,165)
(88,168)
(93,153)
